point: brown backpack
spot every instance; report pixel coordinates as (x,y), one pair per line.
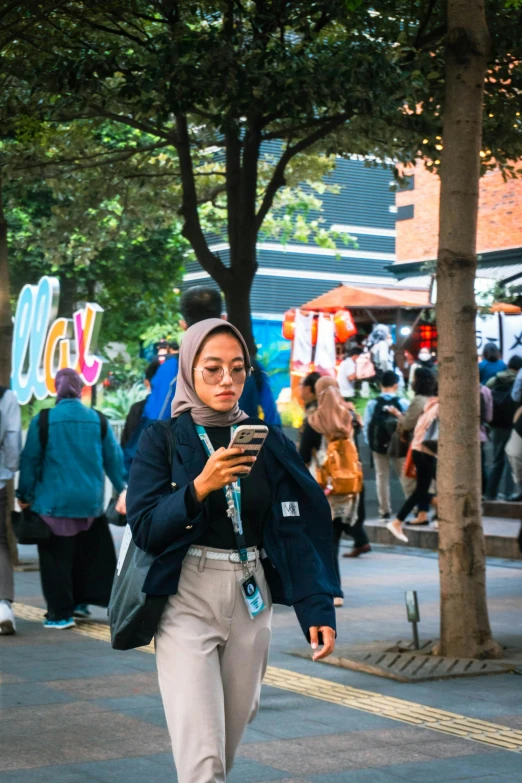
(341,468)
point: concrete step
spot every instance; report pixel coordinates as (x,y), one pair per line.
(500,536)
(502,508)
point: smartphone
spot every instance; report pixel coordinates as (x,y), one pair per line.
(250,437)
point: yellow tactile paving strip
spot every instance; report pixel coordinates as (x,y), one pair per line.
(346,696)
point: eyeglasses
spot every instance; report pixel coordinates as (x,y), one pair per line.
(214,375)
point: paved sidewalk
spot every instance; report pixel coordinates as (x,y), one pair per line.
(73,710)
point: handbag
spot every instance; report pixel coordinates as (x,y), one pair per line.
(398,448)
(114,517)
(431,438)
(409,470)
(29,528)
(133,615)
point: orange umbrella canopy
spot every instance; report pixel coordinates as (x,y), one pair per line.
(504,307)
(346,296)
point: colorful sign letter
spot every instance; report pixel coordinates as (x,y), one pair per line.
(42,342)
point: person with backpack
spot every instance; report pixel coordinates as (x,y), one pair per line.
(379,427)
(10,448)
(333,421)
(491,363)
(501,425)
(68,451)
(136,420)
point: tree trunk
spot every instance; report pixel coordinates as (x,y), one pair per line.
(68,295)
(6,324)
(237,297)
(465,628)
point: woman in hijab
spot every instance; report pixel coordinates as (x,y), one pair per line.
(211,649)
(334,420)
(68,451)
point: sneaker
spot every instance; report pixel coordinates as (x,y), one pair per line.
(81,611)
(384,517)
(60,625)
(7,620)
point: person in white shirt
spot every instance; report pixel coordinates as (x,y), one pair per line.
(10,448)
(346,377)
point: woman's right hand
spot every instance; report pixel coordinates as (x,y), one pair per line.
(222,468)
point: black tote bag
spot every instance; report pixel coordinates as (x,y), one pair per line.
(133,615)
(29,528)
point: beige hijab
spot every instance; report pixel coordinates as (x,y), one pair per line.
(332,417)
(186,398)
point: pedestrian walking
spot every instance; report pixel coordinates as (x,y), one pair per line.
(346,376)
(379,425)
(425,361)
(10,448)
(333,421)
(62,478)
(486,416)
(310,439)
(424,386)
(425,462)
(211,654)
(136,420)
(514,453)
(504,409)
(491,363)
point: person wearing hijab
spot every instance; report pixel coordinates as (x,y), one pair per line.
(68,451)
(334,419)
(211,653)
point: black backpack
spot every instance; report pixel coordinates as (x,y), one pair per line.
(504,407)
(383,425)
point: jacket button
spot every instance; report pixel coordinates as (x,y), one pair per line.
(173,485)
(189,527)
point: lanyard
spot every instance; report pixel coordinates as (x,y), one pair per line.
(233,498)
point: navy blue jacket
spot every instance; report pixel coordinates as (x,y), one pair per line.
(297,540)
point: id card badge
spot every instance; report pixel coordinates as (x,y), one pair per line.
(252,595)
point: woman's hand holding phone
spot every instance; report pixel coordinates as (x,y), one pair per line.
(222,468)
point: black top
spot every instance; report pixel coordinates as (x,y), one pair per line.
(256,502)
(132,421)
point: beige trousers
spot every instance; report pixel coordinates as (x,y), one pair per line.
(382,477)
(211,658)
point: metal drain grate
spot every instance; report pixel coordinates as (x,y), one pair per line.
(398,662)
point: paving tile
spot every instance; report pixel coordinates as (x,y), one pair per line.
(113,686)
(253,772)
(461,769)
(91,737)
(30,693)
(356,776)
(62,774)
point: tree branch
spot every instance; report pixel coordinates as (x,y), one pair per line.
(192,225)
(294,129)
(278,177)
(131,122)
(117,156)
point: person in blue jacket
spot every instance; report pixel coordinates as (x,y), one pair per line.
(224,552)
(198,303)
(68,451)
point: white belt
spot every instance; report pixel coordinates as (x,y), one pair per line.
(232,557)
